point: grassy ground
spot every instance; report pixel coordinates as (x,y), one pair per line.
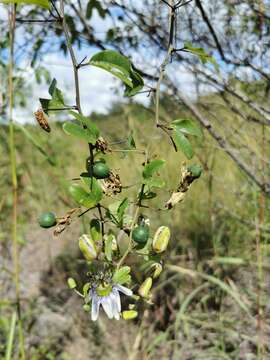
(208,312)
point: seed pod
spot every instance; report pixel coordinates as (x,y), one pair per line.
(42,119)
(161,239)
(145,288)
(157,269)
(88,247)
(129,314)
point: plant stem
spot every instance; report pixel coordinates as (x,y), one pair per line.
(167,57)
(15,252)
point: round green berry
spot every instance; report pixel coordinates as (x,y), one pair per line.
(101,170)
(47,220)
(140,234)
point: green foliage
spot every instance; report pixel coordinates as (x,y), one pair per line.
(42,3)
(200,52)
(95,4)
(181,128)
(121,67)
(76,130)
(82,197)
(92,129)
(57,100)
(122,275)
(152,167)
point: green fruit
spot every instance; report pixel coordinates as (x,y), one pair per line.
(101,170)
(195,170)
(140,234)
(47,220)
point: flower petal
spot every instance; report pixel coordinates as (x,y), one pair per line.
(116,304)
(106,302)
(123,289)
(117,299)
(95,307)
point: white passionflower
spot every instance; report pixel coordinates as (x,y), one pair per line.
(108,296)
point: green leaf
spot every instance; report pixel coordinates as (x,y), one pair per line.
(43,3)
(183,144)
(121,67)
(95,230)
(154,182)
(137,84)
(94,4)
(93,129)
(122,276)
(152,167)
(200,52)
(76,130)
(187,126)
(121,210)
(108,246)
(82,197)
(57,100)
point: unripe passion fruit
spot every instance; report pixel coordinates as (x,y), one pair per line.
(101,170)
(140,234)
(47,220)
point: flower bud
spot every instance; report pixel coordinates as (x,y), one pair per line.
(88,247)
(129,314)
(161,239)
(145,287)
(86,307)
(71,283)
(157,269)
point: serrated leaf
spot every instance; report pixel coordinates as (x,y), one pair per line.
(76,130)
(183,143)
(152,167)
(122,275)
(42,3)
(187,126)
(93,129)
